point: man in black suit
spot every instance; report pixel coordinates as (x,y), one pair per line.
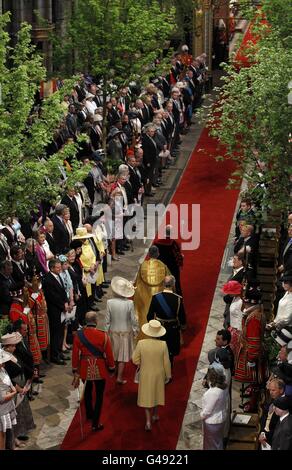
(282,437)
(135,178)
(167,307)
(22,352)
(71,121)
(49,226)
(60,233)
(57,303)
(248,245)
(20,267)
(150,158)
(7,285)
(269,418)
(286,255)
(70,201)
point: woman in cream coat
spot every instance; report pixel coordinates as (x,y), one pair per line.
(214,409)
(155,370)
(121,323)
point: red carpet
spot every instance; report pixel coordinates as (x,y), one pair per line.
(204,183)
(250,39)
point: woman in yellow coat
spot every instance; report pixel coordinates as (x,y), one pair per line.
(151,355)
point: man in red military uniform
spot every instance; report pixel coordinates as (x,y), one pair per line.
(250,367)
(91,357)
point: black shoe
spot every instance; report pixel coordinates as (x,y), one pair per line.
(105,286)
(41,376)
(23,438)
(155,185)
(59,362)
(35,393)
(120,253)
(108,283)
(126,248)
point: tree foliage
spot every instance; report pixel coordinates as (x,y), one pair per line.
(26,177)
(253,117)
(116,39)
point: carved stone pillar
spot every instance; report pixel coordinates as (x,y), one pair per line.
(42,31)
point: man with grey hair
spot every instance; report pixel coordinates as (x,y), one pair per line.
(60,233)
(92,356)
(167,307)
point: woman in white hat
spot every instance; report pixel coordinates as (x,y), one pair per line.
(7,393)
(121,323)
(155,370)
(15,370)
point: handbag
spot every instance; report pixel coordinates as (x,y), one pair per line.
(137,376)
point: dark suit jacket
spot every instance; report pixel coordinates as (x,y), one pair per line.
(52,244)
(25,357)
(135,182)
(282,438)
(55,295)
(170,320)
(150,150)
(272,425)
(3,252)
(172,301)
(19,275)
(252,242)
(6,286)
(286,257)
(74,212)
(61,235)
(11,239)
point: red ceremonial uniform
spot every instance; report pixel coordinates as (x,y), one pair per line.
(17,313)
(39,310)
(85,363)
(250,347)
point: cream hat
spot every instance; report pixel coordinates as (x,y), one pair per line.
(5,357)
(11,338)
(81,234)
(154,329)
(122,287)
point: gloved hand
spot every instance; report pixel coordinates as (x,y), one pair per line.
(251,364)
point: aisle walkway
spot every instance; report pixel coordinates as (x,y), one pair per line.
(56,404)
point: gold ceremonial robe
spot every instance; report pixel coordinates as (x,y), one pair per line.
(149,282)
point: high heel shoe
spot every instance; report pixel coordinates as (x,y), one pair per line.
(155,418)
(148,427)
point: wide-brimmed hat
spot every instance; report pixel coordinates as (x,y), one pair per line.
(122,287)
(153,329)
(232,288)
(89,95)
(11,338)
(5,357)
(82,234)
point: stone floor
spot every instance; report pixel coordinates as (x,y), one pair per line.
(57,402)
